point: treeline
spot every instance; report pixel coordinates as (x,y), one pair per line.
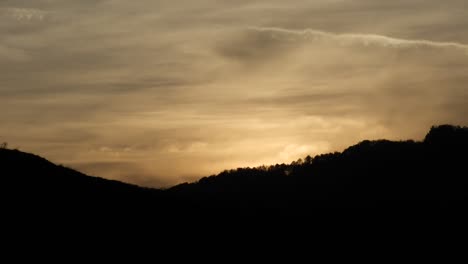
(381,173)
(369,174)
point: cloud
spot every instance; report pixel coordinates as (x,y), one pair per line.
(12,54)
(351,38)
(24,14)
(175,90)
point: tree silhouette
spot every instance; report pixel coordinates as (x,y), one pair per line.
(380,173)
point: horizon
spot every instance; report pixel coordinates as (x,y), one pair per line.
(161,92)
(194,179)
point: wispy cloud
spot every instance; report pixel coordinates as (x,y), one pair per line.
(25,14)
(358,38)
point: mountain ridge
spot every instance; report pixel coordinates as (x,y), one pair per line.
(379,173)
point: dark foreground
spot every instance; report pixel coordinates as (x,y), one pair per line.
(372,174)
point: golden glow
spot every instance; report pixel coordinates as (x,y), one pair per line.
(161,92)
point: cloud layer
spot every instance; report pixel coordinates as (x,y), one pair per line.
(160,92)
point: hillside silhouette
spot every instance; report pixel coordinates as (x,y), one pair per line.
(33,182)
(381,173)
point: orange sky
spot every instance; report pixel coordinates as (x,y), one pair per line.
(161,92)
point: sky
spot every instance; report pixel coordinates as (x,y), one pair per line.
(159,92)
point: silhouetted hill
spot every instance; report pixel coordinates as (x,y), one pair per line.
(378,173)
(30,180)
(382,173)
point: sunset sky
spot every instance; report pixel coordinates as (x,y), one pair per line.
(158,92)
